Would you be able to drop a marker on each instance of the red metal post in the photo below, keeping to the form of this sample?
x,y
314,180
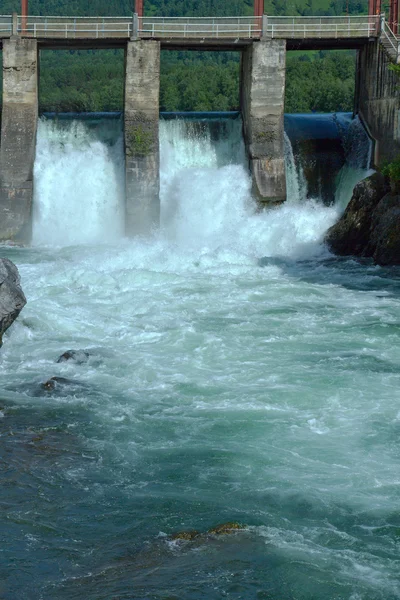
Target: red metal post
x,y
374,7
394,15
374,10
139,8
258,14
258,8
24,14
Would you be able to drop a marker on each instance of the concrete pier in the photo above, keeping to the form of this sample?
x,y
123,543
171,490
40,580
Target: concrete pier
x,y
142,90
262,104
18,137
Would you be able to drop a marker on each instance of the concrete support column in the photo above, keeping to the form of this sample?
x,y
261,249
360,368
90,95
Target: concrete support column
x,y
18,137
262,103
142,91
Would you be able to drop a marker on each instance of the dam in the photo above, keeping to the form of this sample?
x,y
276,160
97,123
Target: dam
x,y
262,41
225,368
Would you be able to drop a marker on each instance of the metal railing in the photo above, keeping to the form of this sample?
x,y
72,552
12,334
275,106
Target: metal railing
x,y
148,27
5,25
390,42
200,27
75,27
321,27
363,26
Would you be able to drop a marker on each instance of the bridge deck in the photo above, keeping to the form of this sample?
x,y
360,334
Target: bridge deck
x,y
220,28
205,33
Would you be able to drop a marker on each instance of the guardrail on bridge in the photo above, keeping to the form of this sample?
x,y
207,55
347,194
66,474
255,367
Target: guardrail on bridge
x,y
75,27
321,27
5,25
144,27
42,27
200,27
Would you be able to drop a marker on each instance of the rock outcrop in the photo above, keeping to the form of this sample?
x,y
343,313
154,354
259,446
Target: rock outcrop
x,y
370,225
12,298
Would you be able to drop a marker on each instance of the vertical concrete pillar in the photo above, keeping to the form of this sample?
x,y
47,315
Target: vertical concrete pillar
x,y
263,103
18,137
142,91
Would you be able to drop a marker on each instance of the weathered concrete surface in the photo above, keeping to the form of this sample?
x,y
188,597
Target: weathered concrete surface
x,y
378,100
12,298
142,90
18,137
262,103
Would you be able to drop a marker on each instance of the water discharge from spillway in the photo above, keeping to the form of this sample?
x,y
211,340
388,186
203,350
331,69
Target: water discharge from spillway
x,y
206,194
79,183
205,189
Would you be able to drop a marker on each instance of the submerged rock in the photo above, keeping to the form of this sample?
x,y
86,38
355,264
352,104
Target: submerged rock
x,y
12,298
61,383
78,356
60,387
52,383
186,535
225,528
370,225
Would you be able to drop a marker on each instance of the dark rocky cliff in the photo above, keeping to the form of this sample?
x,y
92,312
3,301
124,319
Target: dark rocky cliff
x,y
370,225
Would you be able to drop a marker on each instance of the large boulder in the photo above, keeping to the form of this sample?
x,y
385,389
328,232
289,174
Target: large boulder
x,y
351,234
12,298
384,245
370,225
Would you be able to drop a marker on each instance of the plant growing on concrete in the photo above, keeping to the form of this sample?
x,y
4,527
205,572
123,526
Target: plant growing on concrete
x,y
139,141
391,170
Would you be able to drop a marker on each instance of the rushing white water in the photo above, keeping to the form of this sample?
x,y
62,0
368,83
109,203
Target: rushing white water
x,y
79,183
296,184
205,189
206,198
224,380
358,152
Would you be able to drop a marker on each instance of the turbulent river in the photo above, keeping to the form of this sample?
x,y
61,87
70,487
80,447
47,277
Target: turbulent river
x,y
236,372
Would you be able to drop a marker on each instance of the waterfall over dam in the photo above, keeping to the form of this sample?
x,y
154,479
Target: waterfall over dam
x,y
205,186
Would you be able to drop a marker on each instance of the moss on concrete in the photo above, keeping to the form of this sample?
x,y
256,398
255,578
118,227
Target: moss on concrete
x,y
139,141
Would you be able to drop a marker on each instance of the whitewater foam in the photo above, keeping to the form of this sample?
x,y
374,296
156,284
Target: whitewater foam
x,y
206,202
79,190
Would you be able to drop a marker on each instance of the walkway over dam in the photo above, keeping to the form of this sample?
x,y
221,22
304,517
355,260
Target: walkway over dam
x,y
262,41
225,33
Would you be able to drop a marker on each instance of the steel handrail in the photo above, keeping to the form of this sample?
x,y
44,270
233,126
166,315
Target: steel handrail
x,y
199,18
201,32
249,26
390,36
6,24
318,26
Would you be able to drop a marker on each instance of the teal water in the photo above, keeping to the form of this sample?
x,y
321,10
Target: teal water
x,y
236,372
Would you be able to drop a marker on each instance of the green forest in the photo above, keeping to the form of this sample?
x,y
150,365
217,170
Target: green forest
x,y
200,81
